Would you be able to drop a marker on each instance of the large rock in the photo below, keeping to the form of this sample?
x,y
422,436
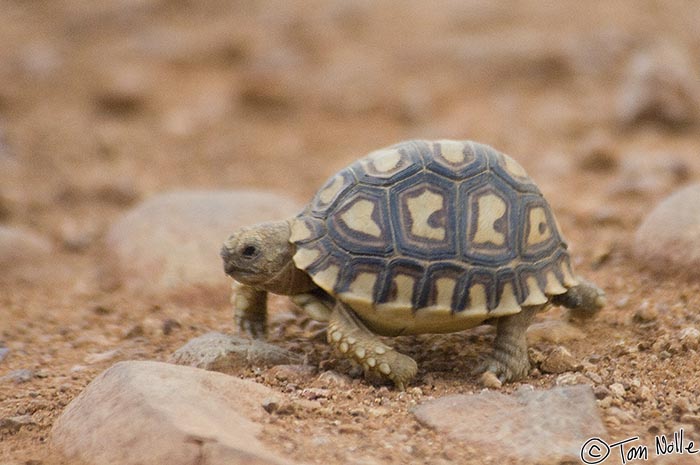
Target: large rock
x,y
532,426
157,413
668,240
169,245
660,85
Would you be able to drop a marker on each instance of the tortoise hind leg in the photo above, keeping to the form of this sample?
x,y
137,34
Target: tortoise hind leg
x,y
509,360
584,300
349,336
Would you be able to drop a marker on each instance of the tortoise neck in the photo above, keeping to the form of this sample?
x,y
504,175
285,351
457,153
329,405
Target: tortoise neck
x,y
290,280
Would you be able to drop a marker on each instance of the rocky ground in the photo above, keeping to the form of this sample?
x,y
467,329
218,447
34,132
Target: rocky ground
x,y
134,135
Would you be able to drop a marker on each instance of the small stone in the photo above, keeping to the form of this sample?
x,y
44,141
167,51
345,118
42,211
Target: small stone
x,y
689,338
617,389
682,405
123,90
229,354
135,331
559,360
316,393
601,392
299,405
13,424
271,404
646,313
101,357
668,240
332,378
170,325
555,331
18,376
502,426
4,352
598,153
571,379
295,374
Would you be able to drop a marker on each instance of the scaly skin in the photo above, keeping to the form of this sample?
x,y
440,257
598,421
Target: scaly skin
x,y
249,310
584,301
509,360
349,336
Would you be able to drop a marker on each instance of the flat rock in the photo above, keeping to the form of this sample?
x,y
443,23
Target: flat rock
x,y
532,426
157,413
169,244
668,240
555,331
226,353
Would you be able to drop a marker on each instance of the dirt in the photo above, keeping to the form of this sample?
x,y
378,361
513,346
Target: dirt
x,y
105,103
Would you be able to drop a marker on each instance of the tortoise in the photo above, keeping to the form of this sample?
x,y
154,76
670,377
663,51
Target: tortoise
x,y
419,237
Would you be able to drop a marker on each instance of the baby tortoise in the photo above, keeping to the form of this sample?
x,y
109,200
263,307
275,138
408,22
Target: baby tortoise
x,y
419,237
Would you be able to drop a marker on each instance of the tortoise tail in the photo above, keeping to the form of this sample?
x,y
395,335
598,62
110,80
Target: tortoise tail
x,y
585,299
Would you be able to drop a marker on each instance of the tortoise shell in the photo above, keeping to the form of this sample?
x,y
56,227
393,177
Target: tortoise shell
x,y
430,236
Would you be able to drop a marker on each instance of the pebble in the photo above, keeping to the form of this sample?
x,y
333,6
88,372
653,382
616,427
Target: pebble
x,y
617,389
91,359
122,90
555,331
295,374
163,414
169,244
332,378
4,352
601,392
668,240
689,338
316,393
598,153
561,418
571,379
559,360
14,424
18,376
229,354
646,313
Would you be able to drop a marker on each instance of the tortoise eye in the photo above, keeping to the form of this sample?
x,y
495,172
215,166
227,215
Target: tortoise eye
x,y
249,251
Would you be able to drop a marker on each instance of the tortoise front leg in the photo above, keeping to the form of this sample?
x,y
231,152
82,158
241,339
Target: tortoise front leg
x,y
509,360
249,310
348,335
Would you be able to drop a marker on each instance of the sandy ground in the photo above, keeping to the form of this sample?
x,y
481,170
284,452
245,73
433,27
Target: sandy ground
x,y
103,104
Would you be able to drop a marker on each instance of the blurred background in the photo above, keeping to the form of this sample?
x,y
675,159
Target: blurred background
x,y
103,103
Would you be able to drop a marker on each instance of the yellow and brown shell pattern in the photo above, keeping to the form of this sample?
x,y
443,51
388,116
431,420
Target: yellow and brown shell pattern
x,y
430,229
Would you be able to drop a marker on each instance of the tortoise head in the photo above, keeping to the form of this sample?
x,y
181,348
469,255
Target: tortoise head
x,y
260,256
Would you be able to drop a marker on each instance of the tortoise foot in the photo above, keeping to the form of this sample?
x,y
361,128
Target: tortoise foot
x,y
354,341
